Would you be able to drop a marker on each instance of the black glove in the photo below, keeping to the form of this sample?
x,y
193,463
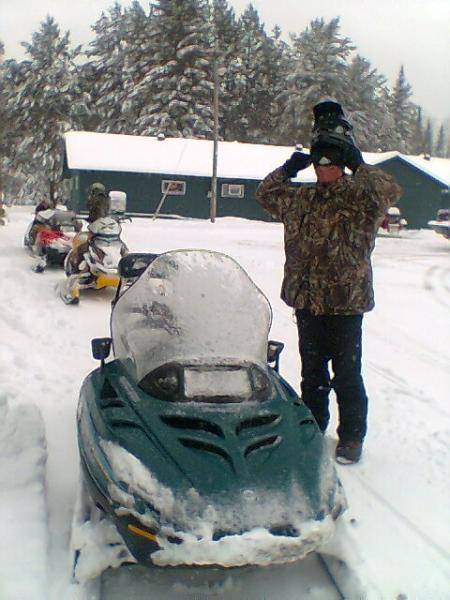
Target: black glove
x,y
297,162
353,157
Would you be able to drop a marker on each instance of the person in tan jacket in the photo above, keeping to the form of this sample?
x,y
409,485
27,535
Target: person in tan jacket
x,y
329,235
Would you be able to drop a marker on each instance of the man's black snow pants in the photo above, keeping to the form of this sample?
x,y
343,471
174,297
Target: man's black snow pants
x,y
337,338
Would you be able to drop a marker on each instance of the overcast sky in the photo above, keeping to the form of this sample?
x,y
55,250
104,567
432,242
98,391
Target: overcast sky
x,y
389,33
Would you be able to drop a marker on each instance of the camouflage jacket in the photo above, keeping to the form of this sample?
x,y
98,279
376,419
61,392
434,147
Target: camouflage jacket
x,y
329,235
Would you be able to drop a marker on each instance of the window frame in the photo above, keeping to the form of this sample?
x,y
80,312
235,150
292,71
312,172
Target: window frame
x,y
225,190
165,183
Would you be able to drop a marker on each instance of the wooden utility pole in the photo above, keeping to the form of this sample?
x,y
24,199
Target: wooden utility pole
x,y
213,199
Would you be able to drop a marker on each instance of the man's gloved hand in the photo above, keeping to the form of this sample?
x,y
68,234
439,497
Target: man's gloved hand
x,y
297,162
353,157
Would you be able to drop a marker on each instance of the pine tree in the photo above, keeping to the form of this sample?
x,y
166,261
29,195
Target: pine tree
x,y
365,104
440,144
318,72
104,73
428,139
227,33
418,136
403,112
3,122
45,102
257,83
141,41
179,86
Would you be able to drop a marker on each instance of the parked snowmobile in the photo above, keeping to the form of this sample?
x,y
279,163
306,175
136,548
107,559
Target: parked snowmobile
x,y
393,222
191,442
49,237
94,259
442,223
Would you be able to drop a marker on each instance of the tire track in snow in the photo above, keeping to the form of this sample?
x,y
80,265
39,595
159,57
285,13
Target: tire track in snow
x,y
403,386
401,517
437,282
403,342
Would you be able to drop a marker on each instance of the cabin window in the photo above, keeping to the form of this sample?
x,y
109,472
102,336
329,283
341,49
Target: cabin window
x,y
233,190
173,188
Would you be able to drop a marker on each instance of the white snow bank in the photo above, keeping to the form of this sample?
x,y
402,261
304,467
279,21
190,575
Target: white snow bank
x,y
23,539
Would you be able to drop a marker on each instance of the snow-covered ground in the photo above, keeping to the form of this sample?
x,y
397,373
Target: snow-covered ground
x,y
398,495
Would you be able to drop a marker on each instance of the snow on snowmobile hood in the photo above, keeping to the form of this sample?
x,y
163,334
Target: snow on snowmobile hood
x,y
106,227
56,216
191,307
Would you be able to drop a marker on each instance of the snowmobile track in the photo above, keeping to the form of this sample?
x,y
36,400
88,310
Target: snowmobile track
x,y
328,574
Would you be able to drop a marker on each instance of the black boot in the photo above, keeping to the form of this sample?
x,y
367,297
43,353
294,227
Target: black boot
x,y
348,452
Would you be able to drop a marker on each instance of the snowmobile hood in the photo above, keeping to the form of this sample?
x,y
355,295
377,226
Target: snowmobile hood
x,y
268,455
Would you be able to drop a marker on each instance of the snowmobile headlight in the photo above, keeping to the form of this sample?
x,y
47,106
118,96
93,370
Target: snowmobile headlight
x,y
163,383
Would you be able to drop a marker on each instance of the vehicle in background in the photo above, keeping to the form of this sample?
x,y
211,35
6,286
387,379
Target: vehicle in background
x,y
393,222
49,237
442,223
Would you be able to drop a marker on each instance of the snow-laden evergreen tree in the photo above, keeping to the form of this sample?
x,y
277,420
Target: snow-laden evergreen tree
x,y
180,84
428,139
365,104
104,73
258,81
226,32
45,102
417,143
3,123
403,111
141,41
440,143
319,71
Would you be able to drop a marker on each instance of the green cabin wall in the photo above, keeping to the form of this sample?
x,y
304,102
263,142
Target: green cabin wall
x,y
421,199
144,194
422,195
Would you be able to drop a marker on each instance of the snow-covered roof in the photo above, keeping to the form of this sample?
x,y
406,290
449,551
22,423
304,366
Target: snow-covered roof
x,y
87,150
177,156
437,168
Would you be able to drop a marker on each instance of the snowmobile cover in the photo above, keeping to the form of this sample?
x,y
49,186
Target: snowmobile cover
x,y
194,307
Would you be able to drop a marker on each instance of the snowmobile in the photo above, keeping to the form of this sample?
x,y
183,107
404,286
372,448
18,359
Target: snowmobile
x,y
191,442
393,222
94,259
49,237
442,223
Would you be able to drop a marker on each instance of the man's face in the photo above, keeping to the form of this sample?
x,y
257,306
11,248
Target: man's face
x,y
328,173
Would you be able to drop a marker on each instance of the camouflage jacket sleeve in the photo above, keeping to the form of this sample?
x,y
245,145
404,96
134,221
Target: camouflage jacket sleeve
x,y
274,193
375,189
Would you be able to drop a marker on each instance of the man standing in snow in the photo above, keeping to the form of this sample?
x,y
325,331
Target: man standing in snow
x,y
329,235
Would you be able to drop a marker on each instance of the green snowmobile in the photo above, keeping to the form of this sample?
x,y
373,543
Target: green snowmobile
x,y
191,442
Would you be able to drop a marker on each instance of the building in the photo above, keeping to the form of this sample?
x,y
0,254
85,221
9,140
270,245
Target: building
x,y
178,169
425,182
178,172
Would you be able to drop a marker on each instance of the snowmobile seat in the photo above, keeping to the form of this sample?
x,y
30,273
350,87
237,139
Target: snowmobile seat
x,y
134,264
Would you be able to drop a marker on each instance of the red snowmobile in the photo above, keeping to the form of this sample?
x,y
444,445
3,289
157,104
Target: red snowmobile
x,y
49,237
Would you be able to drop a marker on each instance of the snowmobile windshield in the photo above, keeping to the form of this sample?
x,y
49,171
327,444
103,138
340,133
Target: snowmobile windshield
x,y
194,325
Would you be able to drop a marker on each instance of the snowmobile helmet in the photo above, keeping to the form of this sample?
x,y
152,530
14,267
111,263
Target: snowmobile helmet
x,y
97,189
327,113
324,155
331,126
